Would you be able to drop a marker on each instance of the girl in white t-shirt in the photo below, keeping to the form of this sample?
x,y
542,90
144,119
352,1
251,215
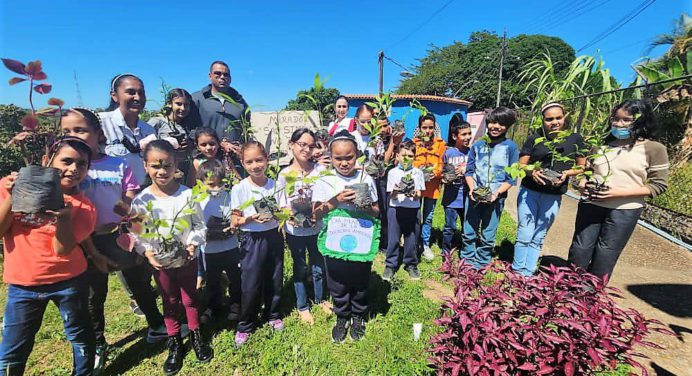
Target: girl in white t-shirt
x,y
347,280
301,234
262,261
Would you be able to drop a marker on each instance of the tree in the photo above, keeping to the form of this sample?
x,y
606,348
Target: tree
x,y
316,98
470,71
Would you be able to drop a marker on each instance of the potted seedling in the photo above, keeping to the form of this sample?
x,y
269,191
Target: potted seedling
x,y
171,252
553,177
363,200
481,193
449,173
37,188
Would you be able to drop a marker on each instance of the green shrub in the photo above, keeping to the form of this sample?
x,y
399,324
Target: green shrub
x,y
10,156
678,197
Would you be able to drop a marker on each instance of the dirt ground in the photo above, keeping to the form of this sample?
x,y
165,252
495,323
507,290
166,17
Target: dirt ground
x,y
655,277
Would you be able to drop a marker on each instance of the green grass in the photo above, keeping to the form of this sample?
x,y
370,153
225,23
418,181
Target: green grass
x,y
678,197
388,348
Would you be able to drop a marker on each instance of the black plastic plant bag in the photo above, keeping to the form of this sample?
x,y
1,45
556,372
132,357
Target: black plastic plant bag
x,y
37,189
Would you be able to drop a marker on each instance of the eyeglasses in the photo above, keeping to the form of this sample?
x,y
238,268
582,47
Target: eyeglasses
x,y
304,145
221,74
625,121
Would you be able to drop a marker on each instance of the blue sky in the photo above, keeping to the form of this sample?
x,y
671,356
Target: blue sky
x,y
274,48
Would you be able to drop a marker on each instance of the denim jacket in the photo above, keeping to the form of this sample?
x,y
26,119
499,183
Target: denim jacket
x,y
499,156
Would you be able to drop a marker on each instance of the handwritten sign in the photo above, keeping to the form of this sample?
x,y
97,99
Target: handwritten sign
x,y
349,235
264,127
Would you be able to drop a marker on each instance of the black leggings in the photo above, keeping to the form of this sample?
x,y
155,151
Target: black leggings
x,y
600,234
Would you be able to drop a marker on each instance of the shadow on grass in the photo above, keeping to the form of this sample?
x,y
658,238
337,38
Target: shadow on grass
x,y
553,260
378,295
130,358
505,250
671,298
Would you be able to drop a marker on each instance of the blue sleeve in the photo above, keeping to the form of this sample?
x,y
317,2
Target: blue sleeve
x,y
471,162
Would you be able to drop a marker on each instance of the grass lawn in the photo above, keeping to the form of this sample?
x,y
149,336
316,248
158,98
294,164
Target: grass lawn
x,y
388,348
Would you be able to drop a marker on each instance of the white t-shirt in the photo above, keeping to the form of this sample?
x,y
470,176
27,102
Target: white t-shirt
x,y
401,200
330,186
166,208
245,191
285,200
343,124
218,204
107,180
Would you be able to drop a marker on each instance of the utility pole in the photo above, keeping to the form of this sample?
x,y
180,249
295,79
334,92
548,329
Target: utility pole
x,y
502,58
79,93
380,60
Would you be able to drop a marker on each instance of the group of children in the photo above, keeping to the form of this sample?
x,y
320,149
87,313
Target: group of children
x,y
143,208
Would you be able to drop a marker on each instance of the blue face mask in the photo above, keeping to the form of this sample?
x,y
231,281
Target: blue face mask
x,y
620,133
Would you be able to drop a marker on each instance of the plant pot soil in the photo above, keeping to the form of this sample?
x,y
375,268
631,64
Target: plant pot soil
x,y
482,194
449,173
428,174
375,168
36,190
266,207
302,212
363,199
592,189
172,255
399,127
407,186
551,176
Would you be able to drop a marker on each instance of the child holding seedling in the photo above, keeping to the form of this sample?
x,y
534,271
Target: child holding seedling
x,y
549,156
629,168
488,184
295,187
347,203
208,147
221,252
169,230
174,125
429,153
43,262
404,184
455,191
110,183
262,262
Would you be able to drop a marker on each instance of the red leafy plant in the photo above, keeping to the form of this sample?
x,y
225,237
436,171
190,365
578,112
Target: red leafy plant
x,y
34,139
562,321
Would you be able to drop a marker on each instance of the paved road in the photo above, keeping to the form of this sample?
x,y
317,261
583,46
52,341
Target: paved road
x,y
655,277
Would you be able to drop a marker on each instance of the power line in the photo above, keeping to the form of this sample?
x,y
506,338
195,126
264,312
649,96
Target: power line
x,y
545,17
399,64
421,25
619,24
571,16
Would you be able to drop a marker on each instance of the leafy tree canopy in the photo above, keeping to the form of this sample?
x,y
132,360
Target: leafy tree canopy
x,y
324,97
470,70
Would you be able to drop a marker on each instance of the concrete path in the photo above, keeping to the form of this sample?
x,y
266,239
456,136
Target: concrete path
x,y
655,277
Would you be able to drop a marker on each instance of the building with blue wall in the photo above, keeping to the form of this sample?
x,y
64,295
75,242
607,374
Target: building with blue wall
x,y
442,107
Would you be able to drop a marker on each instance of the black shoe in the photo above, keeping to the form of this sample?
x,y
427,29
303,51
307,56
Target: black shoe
x,y
100,357
388,273
176,352
413,272
203,351
340,330
357,328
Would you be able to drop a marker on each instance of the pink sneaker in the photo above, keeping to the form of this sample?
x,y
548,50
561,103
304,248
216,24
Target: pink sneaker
x,y
241,338
277,325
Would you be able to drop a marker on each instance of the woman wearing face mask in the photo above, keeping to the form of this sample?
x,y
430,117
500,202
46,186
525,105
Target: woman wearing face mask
x,y
630,168
126,135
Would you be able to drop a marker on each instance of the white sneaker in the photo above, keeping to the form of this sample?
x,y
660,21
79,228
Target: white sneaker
x,y
428,254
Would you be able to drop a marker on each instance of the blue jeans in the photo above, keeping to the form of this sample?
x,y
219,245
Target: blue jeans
x,y
536,212
23,317
451,215
298,246
479,231
403,221
428,211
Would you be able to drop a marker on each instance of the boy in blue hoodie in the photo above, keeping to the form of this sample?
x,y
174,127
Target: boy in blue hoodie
x,y
488,184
